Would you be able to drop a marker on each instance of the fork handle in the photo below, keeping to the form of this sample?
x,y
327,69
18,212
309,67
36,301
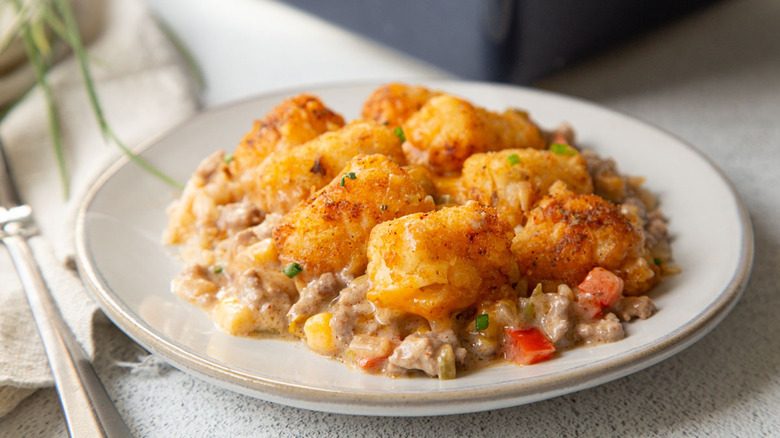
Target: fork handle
x,y
88,409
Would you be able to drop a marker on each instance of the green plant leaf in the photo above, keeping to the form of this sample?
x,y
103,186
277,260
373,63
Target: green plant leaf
x,y
15,26
34,23
74,41
39,37
36,60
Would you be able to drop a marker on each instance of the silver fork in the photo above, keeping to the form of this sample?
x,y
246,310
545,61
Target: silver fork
x,y
88,409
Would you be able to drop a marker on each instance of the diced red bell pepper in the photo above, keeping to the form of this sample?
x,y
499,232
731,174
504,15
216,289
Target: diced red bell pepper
x,y
588,305
604,285
368,363
527,346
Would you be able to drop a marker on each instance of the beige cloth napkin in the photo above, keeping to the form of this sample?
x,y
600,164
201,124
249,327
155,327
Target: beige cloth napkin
x,y
144,89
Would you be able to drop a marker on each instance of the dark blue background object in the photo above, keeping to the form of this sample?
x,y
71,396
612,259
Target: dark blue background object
x,y
499,40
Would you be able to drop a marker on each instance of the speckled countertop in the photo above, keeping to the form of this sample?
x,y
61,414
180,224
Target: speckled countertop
x,y
712,78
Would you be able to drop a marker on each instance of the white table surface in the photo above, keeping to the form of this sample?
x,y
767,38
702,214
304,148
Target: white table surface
x,y
712,78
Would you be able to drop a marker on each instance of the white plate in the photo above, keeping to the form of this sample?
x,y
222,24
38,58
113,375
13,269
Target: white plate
x,y
129,271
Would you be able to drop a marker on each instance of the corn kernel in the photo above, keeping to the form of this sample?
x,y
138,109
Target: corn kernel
x,y
319,335
234,317
264,251
296,326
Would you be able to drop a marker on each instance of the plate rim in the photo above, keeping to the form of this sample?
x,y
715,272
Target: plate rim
x,y
450,401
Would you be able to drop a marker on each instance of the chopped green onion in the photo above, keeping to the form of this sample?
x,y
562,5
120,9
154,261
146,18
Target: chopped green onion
x,y
562,149
482,322
217,269
537,291
350,175
528,311
445,363
292,270
513,159
227,158
400,133
657,261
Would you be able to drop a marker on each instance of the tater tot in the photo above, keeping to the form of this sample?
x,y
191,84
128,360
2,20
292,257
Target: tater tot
x,y
328,233
514,180
433,264
447,130
567,235
392,104
291,123
288,177
215,183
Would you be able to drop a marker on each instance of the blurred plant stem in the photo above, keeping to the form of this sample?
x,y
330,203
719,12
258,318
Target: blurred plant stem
x,y
40,24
